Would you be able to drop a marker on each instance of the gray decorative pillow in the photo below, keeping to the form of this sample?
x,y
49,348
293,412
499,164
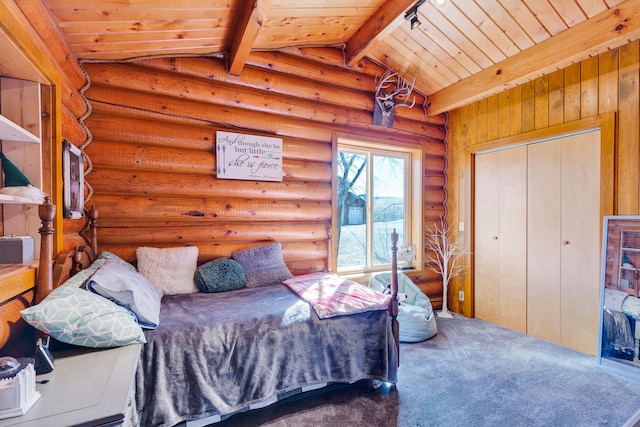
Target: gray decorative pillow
x,y
220,275
263,265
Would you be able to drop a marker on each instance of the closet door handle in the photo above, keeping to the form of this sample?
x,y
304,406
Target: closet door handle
x,y
495,237
565,242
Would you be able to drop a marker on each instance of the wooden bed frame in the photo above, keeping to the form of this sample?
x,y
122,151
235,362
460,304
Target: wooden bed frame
x,y
51,274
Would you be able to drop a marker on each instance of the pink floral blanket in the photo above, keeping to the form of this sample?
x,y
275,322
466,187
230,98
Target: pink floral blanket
x,y
331,295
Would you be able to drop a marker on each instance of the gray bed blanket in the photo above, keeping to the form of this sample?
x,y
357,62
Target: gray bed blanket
x,y
216,354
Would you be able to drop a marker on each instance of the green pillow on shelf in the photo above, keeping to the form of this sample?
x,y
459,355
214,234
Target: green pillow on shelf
x,y
13,177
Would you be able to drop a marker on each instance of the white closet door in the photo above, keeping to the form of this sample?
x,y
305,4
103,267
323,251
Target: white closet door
x,y
543,237
513,238
580,241
537,239
500,237
486,249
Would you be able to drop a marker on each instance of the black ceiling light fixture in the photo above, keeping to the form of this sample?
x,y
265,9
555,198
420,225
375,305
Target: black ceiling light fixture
x,y
412,14
415,22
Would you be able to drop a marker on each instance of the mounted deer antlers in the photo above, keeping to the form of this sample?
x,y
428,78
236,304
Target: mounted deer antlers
x,y
389,90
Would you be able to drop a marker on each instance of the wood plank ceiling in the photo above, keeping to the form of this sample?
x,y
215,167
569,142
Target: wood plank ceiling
x,y
463,50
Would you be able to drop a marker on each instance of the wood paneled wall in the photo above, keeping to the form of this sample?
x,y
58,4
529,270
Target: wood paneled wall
x,y
153,160
608,83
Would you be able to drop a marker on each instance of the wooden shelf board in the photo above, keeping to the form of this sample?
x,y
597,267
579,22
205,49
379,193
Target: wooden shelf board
x,y
12,132
15,200
16,279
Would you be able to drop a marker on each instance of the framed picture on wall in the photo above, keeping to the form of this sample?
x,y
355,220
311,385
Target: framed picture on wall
x,y
619,331
73,181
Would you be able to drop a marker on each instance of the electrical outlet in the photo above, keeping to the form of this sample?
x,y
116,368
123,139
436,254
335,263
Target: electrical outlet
x,y
460,295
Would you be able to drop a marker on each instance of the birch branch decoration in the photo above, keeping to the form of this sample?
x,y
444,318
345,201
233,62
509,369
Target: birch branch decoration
x,y
445,256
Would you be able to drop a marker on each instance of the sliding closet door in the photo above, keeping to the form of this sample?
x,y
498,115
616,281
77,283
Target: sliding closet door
x,y
500,237
543,242
580,243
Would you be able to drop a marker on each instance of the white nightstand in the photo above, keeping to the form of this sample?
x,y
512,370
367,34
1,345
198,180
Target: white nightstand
x,y
92,388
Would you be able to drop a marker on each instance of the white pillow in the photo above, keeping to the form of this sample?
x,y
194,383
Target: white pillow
x,y
170,269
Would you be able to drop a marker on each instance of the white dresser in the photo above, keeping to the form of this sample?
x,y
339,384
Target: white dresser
x,y
92,388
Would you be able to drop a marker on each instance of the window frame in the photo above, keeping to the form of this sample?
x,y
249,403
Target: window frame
x,y
414,224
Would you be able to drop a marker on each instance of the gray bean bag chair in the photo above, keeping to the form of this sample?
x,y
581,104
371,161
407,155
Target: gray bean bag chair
x,y
415,315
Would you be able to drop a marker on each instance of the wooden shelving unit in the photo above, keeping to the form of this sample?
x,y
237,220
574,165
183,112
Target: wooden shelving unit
x,y
20,133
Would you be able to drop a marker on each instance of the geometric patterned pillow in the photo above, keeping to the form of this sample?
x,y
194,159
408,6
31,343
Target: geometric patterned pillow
x,y
76,316
108,256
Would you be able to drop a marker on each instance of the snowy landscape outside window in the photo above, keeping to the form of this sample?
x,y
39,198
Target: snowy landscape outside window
x,y
374,196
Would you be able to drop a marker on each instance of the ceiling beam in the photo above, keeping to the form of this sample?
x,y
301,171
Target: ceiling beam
x,y
249,24
386,19
607,30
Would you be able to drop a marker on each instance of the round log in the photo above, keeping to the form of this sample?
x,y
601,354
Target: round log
x,y
137,79
434,195
434,179
110,127
205,234
124,182
184,111
145,157
298,251
72,130
285,84
214,70
118,127
433,212
115,209
334,57
72,100
434,163
311,70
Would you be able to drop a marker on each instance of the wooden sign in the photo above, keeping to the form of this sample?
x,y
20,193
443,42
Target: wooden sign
x,y
249,157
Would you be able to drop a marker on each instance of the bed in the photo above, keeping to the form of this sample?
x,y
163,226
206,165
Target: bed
x,y
213,355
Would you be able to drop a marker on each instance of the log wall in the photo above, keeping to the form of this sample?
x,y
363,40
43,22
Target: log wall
x,y
152,158
607,83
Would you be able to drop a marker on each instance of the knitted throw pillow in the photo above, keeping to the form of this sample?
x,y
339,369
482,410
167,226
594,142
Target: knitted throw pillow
x,y
220,275
263,265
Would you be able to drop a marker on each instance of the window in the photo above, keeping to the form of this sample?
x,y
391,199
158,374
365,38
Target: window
x,y
377,189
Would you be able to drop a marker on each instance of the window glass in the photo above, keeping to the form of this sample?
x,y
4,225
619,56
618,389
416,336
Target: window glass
x,y
373,190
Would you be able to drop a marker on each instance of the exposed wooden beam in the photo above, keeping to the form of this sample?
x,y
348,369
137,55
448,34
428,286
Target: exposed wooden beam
x,y
249,24
45,25
607,30
389,17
